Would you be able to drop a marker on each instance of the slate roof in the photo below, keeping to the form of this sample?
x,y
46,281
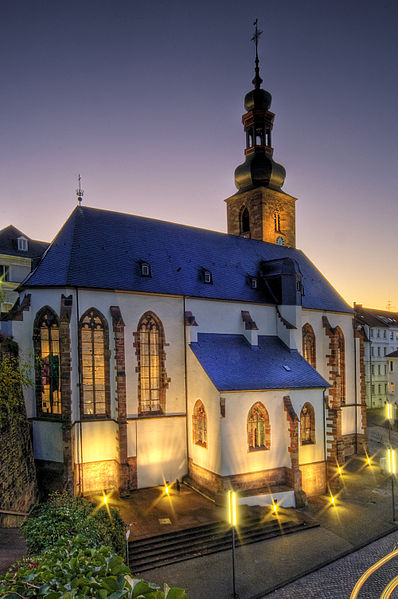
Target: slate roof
x,y
393,354
9,246
375,318
103,249
233,365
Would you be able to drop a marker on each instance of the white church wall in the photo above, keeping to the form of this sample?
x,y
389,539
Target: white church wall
x,y
161,450
201,387
47,441
236,457
99,441
225,317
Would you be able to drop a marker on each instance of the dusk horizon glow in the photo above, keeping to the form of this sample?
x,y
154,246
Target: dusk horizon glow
x,y
145,102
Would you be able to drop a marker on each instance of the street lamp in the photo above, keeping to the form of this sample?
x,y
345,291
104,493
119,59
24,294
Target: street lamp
x,y
232,519
392,470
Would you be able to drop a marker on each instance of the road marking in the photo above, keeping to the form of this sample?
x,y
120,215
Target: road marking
x,y
370,571
389,588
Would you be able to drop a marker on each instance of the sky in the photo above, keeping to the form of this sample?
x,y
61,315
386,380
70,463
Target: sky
x,y
145,101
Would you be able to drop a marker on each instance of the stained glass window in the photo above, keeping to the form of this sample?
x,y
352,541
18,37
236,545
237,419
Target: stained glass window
x,y
151,369
199,424
48,362
93,366
258,428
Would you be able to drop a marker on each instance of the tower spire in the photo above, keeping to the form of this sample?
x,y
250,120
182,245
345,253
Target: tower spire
x,y
79,190
257,81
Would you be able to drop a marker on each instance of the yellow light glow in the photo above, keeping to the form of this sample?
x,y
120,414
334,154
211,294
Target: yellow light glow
x,y
332,499
340,470
232,507
391,461
369,461
105,499
388,411
166,489
275,507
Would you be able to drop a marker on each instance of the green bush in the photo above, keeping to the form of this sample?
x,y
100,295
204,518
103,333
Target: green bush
x,y
75,570
63,517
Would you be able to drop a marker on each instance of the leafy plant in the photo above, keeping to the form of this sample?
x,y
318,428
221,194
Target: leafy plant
x,y
75,570
63,517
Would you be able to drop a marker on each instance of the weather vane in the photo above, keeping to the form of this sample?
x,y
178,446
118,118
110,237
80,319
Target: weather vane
x,y
79,190
257,79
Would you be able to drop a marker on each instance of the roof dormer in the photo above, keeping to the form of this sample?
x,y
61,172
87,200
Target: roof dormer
x,y
22,244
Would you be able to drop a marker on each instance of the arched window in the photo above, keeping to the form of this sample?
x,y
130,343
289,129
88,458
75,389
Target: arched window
x,y
199,424
307,424
258,428
94,353
340,367
47,360
151,357
244,221
309,348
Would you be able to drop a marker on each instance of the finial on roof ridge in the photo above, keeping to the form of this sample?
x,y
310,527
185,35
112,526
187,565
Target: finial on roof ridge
x,y
79,190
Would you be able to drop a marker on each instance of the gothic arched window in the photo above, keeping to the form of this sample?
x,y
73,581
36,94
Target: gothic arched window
x,y
309,348
340,367
307,424
151,369
244,221
94,355
258,428
199,424
47,360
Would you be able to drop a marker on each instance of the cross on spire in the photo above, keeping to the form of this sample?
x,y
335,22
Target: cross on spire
x,y
257,81
79,190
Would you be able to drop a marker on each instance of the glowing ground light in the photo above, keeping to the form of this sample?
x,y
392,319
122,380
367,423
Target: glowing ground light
x,y
105,499
333,501
275,508
232,507
369,461
166,489
340,470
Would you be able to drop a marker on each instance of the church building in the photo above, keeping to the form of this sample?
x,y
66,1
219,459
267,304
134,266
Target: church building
x,y
163,351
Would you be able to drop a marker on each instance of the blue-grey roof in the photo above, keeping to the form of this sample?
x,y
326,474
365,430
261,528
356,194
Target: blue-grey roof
x,y
103,249
233,365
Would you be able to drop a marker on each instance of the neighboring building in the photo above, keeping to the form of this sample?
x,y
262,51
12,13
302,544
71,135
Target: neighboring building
x,y
164,350
18,254
380,329
392,380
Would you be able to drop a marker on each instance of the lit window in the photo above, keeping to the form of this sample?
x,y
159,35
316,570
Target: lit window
x,y
94,364
307,424
47,358
4,273
22,244
150,353
199,424
258,428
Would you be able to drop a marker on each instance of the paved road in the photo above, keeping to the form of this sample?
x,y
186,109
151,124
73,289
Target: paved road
x,y
337,580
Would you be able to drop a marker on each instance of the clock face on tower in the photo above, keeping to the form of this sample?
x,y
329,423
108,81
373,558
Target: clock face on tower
x,y
280,241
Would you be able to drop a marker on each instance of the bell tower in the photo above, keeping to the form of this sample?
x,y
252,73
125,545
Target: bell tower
x,y
260,209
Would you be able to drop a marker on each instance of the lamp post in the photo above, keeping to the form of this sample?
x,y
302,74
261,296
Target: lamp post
x,y
232,520
127,546
392,471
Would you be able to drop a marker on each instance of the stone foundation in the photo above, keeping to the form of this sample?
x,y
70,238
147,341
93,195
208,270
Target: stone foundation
x,y
239,482
99,476
313,478
354,445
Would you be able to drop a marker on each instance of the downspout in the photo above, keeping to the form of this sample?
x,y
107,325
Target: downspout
x,y
356,391
79,393
324,430
186,384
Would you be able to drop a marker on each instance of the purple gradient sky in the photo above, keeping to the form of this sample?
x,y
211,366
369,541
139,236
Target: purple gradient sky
x,y
145,101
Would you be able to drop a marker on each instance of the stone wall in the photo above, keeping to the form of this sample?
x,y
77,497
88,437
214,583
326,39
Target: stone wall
x,y
18,486
313,478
